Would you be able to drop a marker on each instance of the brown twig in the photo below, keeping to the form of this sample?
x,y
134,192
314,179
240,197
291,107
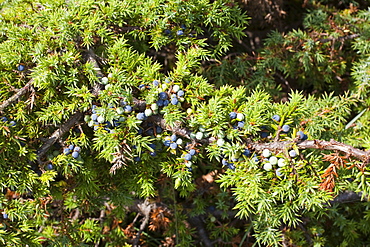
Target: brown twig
x,y
145,209
73,120
16,96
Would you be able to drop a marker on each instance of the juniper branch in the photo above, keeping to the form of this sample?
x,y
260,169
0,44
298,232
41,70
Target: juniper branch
x,y
73,120
16,96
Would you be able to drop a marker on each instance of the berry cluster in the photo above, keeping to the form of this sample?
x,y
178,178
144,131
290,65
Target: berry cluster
x,y
230,164
271,160
73,150
10,123
97,119
239,117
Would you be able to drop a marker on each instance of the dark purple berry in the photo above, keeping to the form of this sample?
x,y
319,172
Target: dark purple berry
x,y
20,67
247,152
153,154
49,167
163,96
180,32
264,134
137,158
167,143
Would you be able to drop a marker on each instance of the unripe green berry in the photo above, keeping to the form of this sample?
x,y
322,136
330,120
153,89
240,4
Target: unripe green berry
x,y
148,112
267,166
266,153
101,119
239,116
199,135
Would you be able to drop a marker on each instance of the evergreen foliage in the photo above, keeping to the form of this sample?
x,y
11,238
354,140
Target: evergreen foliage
x,y
129,123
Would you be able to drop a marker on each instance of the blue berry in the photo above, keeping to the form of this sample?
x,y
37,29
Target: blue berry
x,y
142,86
224,162
167,143
188,156
192,152
155,83
71,147
140,131
49,167
153,154
285,128
152,145
180,32
173,137
241,124
173,145
174,101
167,31
66,151
163,96
75,155
137,158
5,216
264,134
77,149
231,166
292,153
276,118
20,67
180,93
232,115
158,129
302,135
4,119
12,123
150,132
94,117
166,102
160,102
140,116
247,152
128,109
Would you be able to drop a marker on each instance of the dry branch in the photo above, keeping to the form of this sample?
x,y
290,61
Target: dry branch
x,y
73,120
16,96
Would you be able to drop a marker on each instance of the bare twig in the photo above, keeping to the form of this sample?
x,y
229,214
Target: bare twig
x,y
198,222
145,208
16,96
352,36
315,144
73,120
